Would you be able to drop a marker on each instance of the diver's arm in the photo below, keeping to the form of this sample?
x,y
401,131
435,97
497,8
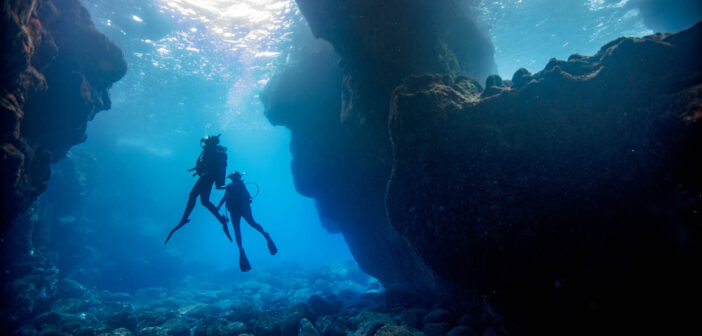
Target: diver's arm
x,y
198,164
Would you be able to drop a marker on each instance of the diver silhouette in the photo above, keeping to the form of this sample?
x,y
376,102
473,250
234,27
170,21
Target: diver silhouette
x,y
238,203
211,166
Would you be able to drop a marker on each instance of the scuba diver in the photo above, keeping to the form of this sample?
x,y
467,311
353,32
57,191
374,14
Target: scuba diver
x,y
238,203
211,166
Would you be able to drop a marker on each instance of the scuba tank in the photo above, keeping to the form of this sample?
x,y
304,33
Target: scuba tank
x,y
212,160
220,169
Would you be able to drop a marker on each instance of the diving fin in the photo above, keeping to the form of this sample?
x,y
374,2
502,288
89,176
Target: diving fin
x,y
180,225
225,227
271,246
243,261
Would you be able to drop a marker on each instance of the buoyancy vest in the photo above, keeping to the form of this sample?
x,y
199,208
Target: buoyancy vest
x,y
213,163
237,195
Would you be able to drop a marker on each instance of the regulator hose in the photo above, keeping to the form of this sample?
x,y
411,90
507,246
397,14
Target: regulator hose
x,y
258,189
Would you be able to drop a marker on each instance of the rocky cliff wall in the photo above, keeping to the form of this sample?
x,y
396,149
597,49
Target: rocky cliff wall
x,y
329,165
572,196
56,71
381,42
335,102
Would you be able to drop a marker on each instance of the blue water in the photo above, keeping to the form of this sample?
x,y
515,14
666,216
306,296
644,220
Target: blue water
x,y
527,33
196,68
186,81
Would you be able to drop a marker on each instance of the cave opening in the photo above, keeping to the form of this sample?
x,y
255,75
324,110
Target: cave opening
x,y
318,102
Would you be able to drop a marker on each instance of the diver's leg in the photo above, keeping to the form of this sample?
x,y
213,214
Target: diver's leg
x,y
205,200
244,264
246,213
180,225
188,208
225,227
236,223
194,192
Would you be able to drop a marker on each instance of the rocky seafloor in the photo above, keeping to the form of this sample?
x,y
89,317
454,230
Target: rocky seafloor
x,y
333,300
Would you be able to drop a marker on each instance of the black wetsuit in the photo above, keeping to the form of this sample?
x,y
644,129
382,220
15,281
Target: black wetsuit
x,y
210,166
238,202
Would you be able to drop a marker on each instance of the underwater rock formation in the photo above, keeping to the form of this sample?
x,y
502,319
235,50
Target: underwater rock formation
x,y
381,42
56,72
336,103
331,166
662,16
573,196
556,194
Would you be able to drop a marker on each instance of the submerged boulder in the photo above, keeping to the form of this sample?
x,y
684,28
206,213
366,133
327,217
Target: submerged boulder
x,y
307,328
268,324
216,326
329,326
462,331
324,305
397,331
437,316
68,288
178,326
413,317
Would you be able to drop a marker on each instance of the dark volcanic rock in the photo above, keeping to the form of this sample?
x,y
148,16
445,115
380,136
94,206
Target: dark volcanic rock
x,y
268,324
332,167
56,71
367,322
437,315
336,104
381,42
573,198
307,328
329,326
436,329
216,326
179,326
70,289
337,114
324,305
244,312
413,317
290,322
152,331
396,331
462,331
124,319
